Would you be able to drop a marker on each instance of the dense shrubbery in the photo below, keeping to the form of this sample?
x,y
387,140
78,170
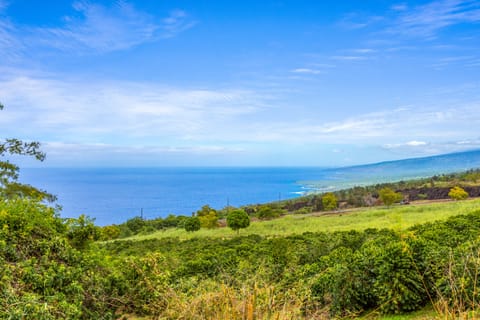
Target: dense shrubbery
x,y
51,268
43,275
343,272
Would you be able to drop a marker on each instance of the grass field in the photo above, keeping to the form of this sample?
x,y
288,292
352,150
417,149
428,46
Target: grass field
x,y
398,217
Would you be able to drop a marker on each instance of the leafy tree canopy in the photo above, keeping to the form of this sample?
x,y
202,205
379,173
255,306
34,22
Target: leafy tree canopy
x,y
238,219
192,224
329,201
208,217
389,197
9,186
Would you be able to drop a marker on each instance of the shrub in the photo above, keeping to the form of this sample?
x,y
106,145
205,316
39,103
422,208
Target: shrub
x,y
192,224
329,201
267,212
389,197
238,219
458,193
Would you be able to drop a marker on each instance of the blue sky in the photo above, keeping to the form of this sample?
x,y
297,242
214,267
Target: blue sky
x,y
254,83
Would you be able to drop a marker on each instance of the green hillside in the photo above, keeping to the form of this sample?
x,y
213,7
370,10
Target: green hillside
x,y
397,217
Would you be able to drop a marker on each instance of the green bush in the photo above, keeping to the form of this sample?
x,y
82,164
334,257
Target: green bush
x,y
458,193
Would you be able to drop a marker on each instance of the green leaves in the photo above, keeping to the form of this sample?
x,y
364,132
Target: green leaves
x,y
238,219
458,193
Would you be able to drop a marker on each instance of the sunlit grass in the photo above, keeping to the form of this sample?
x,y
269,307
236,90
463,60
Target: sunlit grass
x,y
396,217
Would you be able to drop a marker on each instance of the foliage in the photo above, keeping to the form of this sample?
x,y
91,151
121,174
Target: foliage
x,y
329,201
389,197
82,231
9,186
135,224
43,276
458,193
343,273
192,224
266,212
208,217
110,232
238,219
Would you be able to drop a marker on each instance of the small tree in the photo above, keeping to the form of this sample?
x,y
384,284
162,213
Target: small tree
x,y
208,217
192,224
458,193
238,219
389,197
329,201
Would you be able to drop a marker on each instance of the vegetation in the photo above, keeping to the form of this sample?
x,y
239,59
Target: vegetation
x,y
395,217
238,219
329,201
208,217
458,193
389,197
192,224
355,263
342,274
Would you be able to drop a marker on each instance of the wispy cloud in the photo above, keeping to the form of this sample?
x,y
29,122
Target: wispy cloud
x,y
102,111
307,71
356,20
464,61
429,19
364,50
10,46
348,58
399,7
178,21
98,29
3,5
432,148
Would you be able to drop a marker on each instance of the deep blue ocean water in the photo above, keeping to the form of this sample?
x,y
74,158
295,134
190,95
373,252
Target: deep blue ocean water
x,y
113,195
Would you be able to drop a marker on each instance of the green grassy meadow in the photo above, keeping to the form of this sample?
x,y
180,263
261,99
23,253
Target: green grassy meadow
x,y
398,217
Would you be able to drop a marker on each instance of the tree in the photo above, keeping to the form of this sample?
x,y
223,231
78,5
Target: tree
x,y
136,224
208,217
192,224
9,187
82,231
458,193
238,219
329,201
267,212
389,197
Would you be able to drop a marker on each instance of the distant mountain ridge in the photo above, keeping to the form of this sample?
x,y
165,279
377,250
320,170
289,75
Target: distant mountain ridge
x,y
451,161
390,171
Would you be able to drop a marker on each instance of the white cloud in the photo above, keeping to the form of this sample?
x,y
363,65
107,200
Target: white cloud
x,y
358,21
130,112
307,71
349,58
415,143
97,29
427,20
364,50
176,22
120,117
399,7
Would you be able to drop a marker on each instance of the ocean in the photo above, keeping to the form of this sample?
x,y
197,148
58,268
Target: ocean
x,y
114,195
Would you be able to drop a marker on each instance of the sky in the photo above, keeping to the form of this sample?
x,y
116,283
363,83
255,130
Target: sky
x,y
240,83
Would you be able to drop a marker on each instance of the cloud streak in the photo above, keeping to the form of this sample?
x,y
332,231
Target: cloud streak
x,y
137,112
151,120
428,20
97,29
